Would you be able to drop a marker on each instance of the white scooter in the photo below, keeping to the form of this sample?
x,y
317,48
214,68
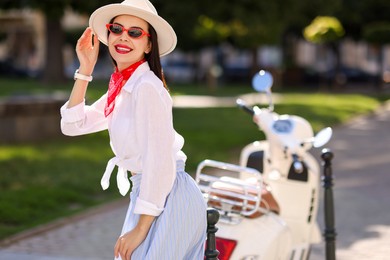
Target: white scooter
x,y
268,203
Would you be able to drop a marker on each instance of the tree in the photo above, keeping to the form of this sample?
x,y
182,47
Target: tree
x,y
367,20
326,30
244,23
250,24
182,15
355,15
378,34
54,11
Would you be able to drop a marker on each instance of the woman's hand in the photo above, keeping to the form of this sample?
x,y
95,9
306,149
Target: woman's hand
x,y
87,50
127,243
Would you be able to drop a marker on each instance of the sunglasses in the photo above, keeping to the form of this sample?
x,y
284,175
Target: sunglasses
x,y
133,32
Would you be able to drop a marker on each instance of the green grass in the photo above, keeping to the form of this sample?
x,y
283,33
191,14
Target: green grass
x,y
43,181
98,87
323,110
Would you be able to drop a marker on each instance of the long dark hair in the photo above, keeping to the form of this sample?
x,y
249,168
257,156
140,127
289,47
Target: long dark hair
x,y
153,57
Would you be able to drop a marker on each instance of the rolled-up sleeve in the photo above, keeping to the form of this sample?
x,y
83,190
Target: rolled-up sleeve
x,y
73,114
83,119
156,135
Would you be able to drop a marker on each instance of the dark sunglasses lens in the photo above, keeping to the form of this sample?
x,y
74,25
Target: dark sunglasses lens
x,y
135,33
116,29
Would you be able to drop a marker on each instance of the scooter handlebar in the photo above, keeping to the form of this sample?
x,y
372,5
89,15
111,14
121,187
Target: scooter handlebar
x,y
241,104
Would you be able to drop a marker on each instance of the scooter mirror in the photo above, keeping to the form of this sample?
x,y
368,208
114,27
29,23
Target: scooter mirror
x,y
262,81
322,137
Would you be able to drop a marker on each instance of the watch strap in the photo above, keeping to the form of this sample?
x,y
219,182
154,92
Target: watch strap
x,y
78,75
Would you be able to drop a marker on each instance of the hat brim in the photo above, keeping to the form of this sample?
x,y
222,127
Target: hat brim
x,y
167,39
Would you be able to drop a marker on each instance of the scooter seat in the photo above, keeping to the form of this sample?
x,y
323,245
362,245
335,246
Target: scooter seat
x,y
267,203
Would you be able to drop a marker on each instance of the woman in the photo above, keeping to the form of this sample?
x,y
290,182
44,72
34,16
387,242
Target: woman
x,y
166,218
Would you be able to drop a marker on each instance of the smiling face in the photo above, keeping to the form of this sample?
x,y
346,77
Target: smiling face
x,y
124,49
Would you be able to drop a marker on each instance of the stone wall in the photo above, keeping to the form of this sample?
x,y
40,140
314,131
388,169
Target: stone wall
x,y
30,118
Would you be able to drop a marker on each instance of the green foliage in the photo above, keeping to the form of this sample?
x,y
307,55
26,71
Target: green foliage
x,y
377,33
355,15
244,23
182,15
56,8
324,29
300,13
214,32
263,21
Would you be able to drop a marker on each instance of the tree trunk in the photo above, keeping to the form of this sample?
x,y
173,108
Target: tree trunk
x,y
379,77
54,64
339,79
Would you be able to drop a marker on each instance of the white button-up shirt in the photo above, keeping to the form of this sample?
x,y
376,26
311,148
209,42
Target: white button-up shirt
x,y
142,137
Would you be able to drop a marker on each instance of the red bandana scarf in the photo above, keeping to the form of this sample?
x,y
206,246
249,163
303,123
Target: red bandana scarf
x,y
116,84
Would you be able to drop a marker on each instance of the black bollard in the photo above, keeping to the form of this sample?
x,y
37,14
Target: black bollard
x,y
211,252
327,183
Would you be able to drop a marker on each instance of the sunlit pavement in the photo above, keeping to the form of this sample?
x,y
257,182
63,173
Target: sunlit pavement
x,y
361,169
88,236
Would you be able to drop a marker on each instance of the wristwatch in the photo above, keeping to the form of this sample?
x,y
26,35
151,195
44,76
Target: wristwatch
x,y
77,75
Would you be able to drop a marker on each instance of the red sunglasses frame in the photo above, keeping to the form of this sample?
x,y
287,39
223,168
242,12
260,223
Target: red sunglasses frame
x,y
127,30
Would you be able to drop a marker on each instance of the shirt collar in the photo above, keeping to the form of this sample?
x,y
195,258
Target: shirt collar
x,y
129,85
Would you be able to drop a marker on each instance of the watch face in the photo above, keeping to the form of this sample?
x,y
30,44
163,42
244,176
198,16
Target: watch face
x,y
283,126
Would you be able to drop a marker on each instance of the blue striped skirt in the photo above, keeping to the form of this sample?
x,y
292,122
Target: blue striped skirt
x,y
179,233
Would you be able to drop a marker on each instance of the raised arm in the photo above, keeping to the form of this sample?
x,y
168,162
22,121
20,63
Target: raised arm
x,y
87,50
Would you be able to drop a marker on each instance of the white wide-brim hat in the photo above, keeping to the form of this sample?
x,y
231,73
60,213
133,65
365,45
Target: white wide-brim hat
x,y
140,8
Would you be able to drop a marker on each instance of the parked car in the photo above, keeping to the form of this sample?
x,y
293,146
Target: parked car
x,y
237,73
9,70
179,71
343,76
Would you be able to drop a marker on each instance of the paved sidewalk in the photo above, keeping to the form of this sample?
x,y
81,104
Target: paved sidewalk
x,y
361,169
88,236
195,101
362,179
